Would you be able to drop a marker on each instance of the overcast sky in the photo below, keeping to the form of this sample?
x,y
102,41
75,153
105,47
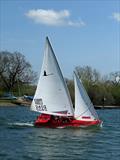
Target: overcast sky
x,y
82,32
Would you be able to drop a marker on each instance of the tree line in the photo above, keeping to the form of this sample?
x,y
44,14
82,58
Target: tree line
x,y
102,90
17,76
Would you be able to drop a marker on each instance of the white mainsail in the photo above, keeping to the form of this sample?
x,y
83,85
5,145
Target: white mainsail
x,y
52,96
84,109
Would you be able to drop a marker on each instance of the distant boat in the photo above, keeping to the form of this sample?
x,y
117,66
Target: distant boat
x,y
30,98
52,98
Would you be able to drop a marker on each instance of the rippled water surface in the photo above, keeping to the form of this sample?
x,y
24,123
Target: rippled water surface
x,y
20,140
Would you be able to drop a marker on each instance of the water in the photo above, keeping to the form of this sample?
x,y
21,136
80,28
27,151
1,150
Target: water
x,y
20,140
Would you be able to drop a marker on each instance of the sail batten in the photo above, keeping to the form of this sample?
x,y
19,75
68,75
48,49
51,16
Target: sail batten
x,y
84,108
51,96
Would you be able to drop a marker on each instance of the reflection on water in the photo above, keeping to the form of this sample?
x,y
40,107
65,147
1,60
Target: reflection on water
x,y
19,139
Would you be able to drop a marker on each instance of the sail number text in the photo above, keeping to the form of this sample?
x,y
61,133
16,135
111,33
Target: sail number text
x,y
39,105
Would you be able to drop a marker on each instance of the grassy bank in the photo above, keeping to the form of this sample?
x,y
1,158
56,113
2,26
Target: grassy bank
x,y
7,103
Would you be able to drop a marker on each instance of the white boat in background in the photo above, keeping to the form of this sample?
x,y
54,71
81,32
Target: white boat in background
x,y
52,98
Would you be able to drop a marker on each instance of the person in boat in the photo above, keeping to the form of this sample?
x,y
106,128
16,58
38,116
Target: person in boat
x,y
61,119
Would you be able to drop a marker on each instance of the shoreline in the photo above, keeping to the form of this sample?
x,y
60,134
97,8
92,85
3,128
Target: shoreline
x,y
8,104
107,107
14,103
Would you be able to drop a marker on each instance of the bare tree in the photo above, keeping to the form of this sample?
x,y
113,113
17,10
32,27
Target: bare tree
x,y
88,74
14,68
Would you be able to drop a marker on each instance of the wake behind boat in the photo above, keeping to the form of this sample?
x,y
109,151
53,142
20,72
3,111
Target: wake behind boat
x,y
53,101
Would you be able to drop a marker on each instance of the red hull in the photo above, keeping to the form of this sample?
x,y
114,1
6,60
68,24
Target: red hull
x,y
49,121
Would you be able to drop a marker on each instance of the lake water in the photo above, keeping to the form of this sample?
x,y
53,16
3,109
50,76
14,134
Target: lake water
x,y
20,140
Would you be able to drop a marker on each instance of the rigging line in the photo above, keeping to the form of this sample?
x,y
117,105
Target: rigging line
x,y
86,111
118,57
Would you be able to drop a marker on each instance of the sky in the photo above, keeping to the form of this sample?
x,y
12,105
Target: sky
x,y
82,32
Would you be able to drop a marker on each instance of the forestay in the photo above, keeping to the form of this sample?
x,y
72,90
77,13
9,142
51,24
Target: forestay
x,y
84,109
52,96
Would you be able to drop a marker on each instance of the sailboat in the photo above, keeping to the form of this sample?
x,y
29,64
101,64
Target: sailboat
x,y
52,98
